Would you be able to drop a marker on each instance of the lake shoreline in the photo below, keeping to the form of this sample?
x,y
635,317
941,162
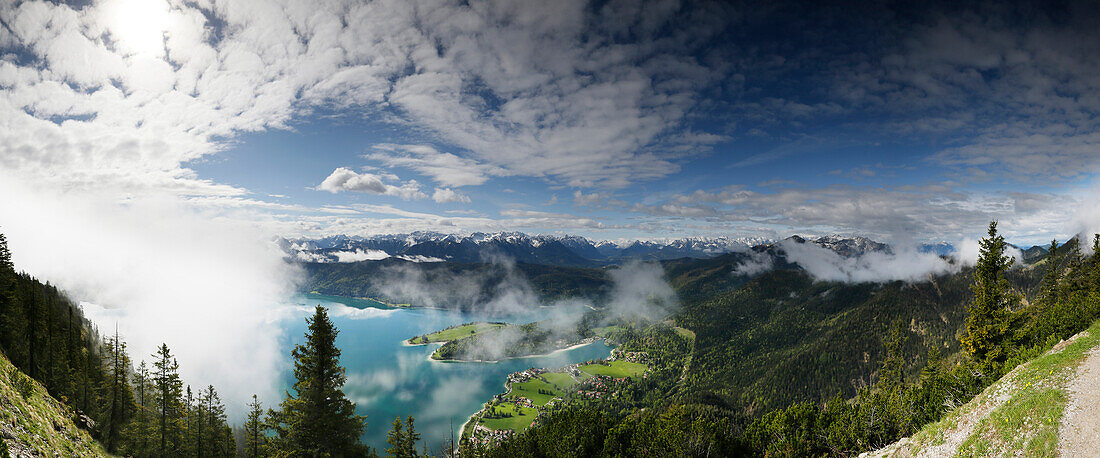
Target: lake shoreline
x,y
575,346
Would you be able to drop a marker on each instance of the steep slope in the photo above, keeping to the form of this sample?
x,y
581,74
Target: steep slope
x,y
1041,408
783,337
34,424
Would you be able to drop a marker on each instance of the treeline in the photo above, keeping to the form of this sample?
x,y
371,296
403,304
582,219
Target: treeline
x,y
1000,330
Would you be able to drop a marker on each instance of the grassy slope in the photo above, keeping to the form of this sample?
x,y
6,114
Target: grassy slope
x,y
1020,414
458,332
37,421
516,422
616,369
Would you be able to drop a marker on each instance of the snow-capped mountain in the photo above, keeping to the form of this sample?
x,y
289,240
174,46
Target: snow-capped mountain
x,y
851,246
847,246
570,250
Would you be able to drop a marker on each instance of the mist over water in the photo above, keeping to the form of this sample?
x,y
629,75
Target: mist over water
x,y
387,379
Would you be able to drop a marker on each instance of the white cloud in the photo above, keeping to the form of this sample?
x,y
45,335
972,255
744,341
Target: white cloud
x,y
445,195
904,263
360,255
345,179
445,168
208,285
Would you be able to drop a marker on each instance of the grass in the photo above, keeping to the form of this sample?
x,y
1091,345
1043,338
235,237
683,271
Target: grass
x,y
615,369
530,390
561,379
1028,422
605,331
516,422
28,411
457,332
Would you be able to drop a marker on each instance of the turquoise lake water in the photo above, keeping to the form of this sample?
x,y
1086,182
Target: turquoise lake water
x,y
387,379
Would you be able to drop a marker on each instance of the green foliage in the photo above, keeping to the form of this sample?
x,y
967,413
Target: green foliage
x,y
169,405
987,322
771,366
254,431
402,440
48,338
318,420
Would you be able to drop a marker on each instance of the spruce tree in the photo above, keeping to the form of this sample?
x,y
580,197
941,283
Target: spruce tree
x,y
169,393
120,395
12,316
1048,291
318,420
411,438
253,428
396,439
988,312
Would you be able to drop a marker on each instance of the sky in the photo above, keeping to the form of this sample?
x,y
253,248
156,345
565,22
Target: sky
x,y
611,120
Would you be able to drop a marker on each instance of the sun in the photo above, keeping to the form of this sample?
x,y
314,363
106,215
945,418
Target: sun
x,y
137,26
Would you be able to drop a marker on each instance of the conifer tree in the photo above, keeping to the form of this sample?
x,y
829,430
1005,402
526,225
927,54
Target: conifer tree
x,y
892,375
169,393
254,428
396,439
988,312
138,434
213,441
120,395
1048,291
410,438
318,420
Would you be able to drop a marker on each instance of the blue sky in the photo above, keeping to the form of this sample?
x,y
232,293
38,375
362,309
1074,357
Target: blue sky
x,y
608,119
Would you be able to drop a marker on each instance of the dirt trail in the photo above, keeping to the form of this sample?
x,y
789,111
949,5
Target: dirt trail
x,y
1079,434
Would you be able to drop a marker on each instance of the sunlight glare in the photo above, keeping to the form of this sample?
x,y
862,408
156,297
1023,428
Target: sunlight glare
x,y
137,26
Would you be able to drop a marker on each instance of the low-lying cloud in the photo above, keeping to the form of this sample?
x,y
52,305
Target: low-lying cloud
x,y
207,286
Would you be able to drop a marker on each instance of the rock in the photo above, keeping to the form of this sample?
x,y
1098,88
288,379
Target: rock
x,y
84,422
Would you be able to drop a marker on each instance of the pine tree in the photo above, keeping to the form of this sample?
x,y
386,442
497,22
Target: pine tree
x,y
988,312
254,428
319,420
169,393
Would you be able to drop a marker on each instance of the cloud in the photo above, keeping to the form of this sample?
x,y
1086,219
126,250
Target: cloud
x,y
344,179
904,263
209,286
755,264
900,214
445,195
639,291
359,255
445,168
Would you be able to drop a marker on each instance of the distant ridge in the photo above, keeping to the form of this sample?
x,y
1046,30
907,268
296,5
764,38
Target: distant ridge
x,y
566,251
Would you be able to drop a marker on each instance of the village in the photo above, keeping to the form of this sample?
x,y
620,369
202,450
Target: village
x,y
530,394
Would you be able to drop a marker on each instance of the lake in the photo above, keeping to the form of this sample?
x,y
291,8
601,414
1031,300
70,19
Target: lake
x,y
387,379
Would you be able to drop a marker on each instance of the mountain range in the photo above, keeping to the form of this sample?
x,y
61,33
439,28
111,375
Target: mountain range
x,y
564,251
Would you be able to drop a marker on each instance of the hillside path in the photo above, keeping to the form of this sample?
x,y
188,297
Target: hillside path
x,y
1079,435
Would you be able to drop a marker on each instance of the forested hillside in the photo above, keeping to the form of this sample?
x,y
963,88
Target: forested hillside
x,y
139,411
787,366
